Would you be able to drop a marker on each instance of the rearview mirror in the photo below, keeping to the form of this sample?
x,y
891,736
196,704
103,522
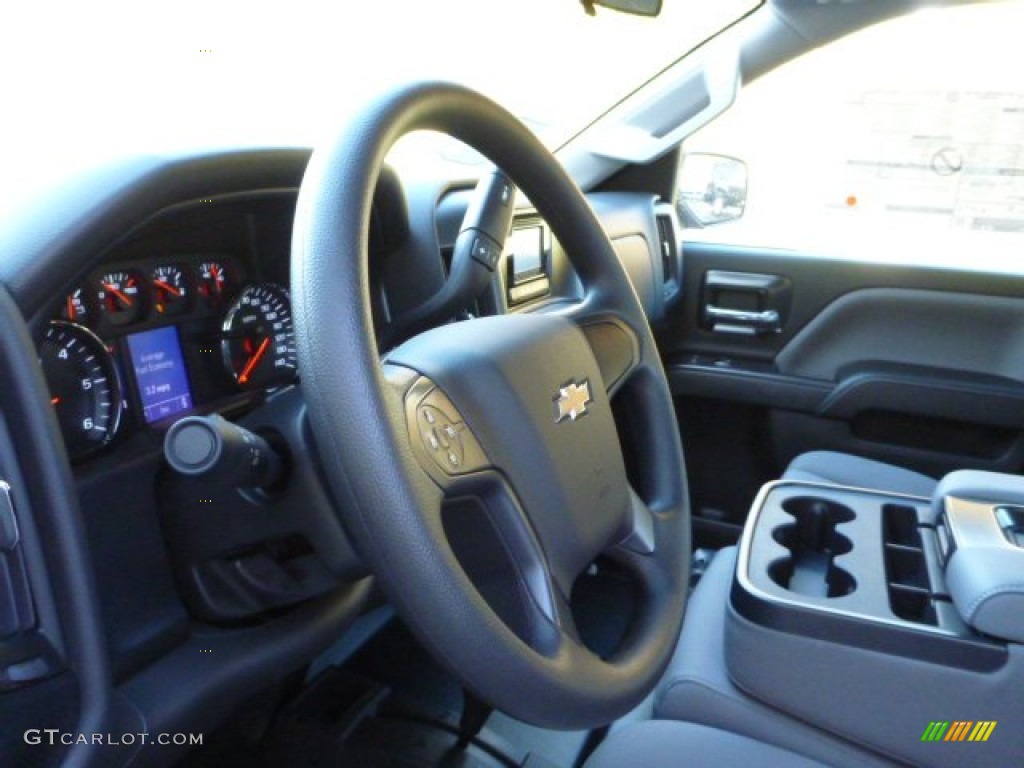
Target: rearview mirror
x,y
712,189
635,7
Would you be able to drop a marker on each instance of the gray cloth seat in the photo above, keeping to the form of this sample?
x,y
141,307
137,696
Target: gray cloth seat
x,y
662,743
697,687
701,717
846,469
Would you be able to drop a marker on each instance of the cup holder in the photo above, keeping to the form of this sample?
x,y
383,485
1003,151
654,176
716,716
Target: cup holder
x,y
813,543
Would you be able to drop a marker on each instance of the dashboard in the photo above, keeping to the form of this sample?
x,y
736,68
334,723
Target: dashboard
x,y
188,312
172,301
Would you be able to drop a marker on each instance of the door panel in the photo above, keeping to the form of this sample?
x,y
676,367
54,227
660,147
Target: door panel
x,y
918,366
956,330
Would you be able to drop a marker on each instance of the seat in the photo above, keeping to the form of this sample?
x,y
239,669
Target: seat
x,y
663,744
697,688
701,716
846,469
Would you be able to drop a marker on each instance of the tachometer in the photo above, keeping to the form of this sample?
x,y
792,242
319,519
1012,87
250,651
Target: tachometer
x,y
258,342
83,384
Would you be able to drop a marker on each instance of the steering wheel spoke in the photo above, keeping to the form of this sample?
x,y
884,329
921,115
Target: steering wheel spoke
x,y
615,347
613,340
449,452
640,535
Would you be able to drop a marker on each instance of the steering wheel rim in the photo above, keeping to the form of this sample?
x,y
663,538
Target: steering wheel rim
x,y
363,415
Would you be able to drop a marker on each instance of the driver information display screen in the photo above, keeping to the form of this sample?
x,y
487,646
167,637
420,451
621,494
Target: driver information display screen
x,y
160,374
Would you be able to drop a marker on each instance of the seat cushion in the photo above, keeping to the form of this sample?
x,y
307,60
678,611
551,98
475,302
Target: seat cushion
x,y
846,469
663,744
697,687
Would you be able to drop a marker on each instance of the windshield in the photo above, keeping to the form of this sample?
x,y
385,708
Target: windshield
x,y
116,78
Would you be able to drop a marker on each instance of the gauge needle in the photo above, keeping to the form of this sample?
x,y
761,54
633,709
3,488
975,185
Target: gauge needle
x,y
167,287
123,297
254,361
71,308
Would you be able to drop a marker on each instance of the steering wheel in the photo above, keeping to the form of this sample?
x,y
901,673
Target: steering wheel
x,y
481,462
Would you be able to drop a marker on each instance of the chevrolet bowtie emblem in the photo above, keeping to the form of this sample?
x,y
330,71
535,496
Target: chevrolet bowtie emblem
x,y
571,401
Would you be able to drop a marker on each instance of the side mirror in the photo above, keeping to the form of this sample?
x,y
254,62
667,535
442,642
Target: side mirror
x,y
712,189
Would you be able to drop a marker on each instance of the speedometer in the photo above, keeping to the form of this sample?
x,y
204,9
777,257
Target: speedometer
x,y
83,384
258,343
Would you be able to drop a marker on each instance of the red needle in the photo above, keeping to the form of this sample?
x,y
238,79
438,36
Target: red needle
x,y
125,299
54,401
71,308
254,361
167,287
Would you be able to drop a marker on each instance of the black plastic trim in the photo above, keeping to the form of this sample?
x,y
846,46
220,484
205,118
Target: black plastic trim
x,y
658,176
975,654
195,687
950,395
746,382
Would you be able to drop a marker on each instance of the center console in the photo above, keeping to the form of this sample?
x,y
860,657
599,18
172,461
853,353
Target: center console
x,y
874,615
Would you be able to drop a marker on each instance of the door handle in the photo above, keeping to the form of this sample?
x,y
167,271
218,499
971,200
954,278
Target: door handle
x,y
744,303
742,321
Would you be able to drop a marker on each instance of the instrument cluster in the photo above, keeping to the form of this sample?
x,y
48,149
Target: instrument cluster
x,y
125,295
141,344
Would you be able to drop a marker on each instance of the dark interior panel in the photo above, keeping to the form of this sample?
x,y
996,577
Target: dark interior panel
x,y
728,457
913,365
948,327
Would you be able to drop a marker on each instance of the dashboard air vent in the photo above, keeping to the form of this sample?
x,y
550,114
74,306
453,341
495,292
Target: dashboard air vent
x,y
669,250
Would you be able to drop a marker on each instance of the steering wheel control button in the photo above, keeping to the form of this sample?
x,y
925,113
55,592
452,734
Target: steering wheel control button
x,y
442,432
441,437
486,252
